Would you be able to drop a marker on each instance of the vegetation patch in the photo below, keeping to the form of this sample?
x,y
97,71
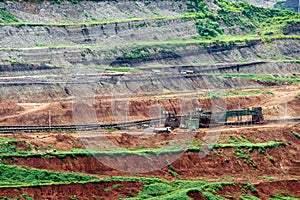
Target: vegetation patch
x,y
250,187
251,146
148,153
6,145
13,176
297,135
7,17
180,190
281,197
134,53
172,172
211,95
206,21
248,197
249,17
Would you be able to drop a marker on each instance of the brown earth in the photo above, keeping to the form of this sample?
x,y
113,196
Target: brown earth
x,y
130,138
279,162
188,165
9,108
105,191
115,190
110,110
274,172
59,141
265,189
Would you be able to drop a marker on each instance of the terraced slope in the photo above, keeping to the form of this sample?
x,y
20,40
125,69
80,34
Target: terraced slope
x,y
104,36
110,60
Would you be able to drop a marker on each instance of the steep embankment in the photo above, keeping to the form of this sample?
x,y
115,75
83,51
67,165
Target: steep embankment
x,y
154,39
259,151
83,11
105,36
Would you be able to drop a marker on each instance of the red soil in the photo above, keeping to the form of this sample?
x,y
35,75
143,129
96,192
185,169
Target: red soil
x,y
108,112
9,108
105,191
111,110
188,166
265,189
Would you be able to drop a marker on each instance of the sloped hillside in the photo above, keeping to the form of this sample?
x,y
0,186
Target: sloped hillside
x,y
46,32
86,62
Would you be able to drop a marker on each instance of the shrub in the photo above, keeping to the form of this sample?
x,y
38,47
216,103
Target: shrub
x,y
208,29
295,134
250,187
7,17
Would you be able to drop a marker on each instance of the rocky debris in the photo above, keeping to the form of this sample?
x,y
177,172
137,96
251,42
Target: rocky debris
x,y
51,12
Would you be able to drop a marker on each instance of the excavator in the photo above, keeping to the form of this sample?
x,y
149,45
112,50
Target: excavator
x,y
203,119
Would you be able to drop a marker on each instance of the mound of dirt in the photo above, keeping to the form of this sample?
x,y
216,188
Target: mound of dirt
x,y
60,113
114,111
9,108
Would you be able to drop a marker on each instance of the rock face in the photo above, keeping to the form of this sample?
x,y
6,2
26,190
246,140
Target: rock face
x,y
43,60
262,3
135,56
289,4
293,4
51,12
107,33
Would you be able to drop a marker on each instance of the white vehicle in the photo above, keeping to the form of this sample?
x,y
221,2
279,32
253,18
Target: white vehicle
x,y
163,130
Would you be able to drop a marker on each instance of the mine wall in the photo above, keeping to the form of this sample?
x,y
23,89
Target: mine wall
x,y
163,54
49,91
292,30
152,30
22,67
51,12
280,68
195,53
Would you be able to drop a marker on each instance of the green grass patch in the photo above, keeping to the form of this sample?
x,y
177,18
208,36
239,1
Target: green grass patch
x,y
270,178
246,156
251,146
297,135
7,17
173,173
8,140
244,148
26,197
211,95
148,153
250,187
180,189
281,197
6,146
250,18
15,176
248,197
